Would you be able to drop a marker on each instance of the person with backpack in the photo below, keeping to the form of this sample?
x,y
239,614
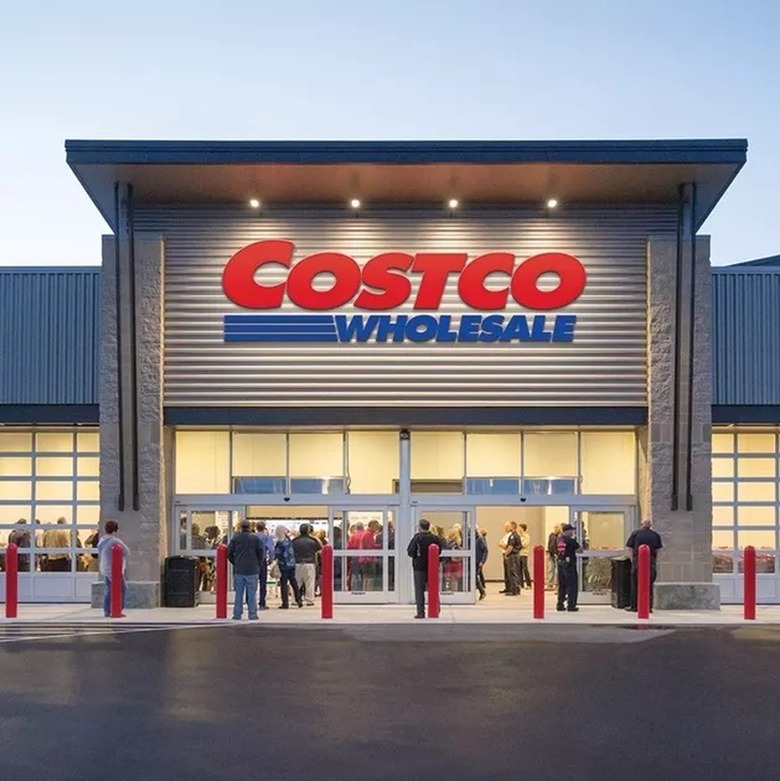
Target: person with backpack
x,y
285,556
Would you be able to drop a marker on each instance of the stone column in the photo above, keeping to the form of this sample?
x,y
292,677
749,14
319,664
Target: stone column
x,y
144,527
681,510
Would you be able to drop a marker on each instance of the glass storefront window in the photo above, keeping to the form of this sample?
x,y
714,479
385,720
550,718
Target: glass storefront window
x,y
88,466
54,490
437,455
259,455
54,466
608,462
373,461
316,455
15,442
723,492
756,467
15,466
54,442
723,467
756,516
722,516
550,454
493,455
757,492
756,443
15,489
722,540
722,443
202,462
758,539
88,442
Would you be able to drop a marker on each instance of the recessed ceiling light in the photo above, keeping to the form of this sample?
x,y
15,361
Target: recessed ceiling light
x,y
355,203
453,203
254,203
552,203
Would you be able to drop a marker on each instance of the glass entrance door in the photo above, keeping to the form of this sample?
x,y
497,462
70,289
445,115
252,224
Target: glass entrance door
x,y
602,533
456,528
199,533
364,554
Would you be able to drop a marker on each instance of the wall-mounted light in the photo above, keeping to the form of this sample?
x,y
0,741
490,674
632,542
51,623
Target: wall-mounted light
x,y
254,203
552,203
453,203
355,203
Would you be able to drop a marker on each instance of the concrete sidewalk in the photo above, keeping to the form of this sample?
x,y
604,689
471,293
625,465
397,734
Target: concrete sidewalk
x,y
491,611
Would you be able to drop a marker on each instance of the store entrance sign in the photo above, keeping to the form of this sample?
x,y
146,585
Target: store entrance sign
x,y
390,281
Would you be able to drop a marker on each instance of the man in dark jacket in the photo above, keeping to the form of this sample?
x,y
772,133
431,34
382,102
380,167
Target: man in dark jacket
x,y
418,552
643,536
568,584
246,554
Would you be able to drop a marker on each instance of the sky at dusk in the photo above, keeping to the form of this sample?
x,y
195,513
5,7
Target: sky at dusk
x,y
406,69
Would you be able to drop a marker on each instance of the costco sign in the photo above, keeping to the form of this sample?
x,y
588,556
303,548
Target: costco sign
x,y
390,280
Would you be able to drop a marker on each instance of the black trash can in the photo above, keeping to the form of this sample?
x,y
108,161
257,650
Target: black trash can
x,y
621,582
180,582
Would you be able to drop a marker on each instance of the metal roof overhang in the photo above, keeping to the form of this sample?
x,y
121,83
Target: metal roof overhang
x,y
392,172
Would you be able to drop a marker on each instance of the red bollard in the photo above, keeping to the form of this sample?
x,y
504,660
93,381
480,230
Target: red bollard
x,y
11,580
643,582
750,583
326,587
539,576
222,581
434,607
117,579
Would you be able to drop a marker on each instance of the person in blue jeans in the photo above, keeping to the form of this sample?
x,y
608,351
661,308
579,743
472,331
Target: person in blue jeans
x,y
104,547
246,554
285,555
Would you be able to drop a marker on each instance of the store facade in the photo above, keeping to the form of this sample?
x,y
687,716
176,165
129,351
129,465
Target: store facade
x,y
361,335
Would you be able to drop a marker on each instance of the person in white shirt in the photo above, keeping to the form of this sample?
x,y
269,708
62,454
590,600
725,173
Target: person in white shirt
x,y
525,539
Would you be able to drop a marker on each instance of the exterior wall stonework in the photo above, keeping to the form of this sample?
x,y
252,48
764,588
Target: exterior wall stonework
x,y
145,529
687,534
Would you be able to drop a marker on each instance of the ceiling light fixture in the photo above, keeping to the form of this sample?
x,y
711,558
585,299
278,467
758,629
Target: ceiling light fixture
x,y
552,203
453,203
355,203
254,203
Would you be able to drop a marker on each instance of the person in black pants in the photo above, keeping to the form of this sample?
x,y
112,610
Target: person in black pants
x,y
482,554
418,552
512,545
568,587
643,536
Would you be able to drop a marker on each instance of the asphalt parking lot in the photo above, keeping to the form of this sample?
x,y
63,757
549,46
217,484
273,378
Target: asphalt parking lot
x,y
388,702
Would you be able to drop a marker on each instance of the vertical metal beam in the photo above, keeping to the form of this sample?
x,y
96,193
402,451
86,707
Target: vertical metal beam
x,y
118,314
133,350
684,350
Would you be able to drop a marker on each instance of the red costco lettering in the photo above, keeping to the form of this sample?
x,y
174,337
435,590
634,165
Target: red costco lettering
x,y
384,282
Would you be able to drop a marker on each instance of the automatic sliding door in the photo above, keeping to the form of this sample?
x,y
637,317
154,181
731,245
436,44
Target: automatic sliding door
x,y
364,555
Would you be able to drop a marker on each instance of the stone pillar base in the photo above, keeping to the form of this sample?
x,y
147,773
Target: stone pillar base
x,y
141,594
686,596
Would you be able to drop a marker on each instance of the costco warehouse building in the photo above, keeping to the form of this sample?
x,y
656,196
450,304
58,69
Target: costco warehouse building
x,y
373,332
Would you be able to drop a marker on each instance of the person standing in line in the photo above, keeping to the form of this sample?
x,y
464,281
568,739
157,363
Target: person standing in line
x,y
552,558
285,555
481,550
512,560
503,543
643,536
525,541
245,553
105,548
417,551
21,538
568,587
268,557
306,549
58,538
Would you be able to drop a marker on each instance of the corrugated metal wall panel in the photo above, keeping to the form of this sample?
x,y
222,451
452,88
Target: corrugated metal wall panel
x,y
746,336
606,365
48,336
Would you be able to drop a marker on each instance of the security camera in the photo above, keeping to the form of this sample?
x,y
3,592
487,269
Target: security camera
x,y
522,498
286,498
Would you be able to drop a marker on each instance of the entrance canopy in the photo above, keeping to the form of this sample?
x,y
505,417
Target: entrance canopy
x,y
424,172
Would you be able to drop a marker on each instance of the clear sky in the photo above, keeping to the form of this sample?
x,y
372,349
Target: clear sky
x,y
378,69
